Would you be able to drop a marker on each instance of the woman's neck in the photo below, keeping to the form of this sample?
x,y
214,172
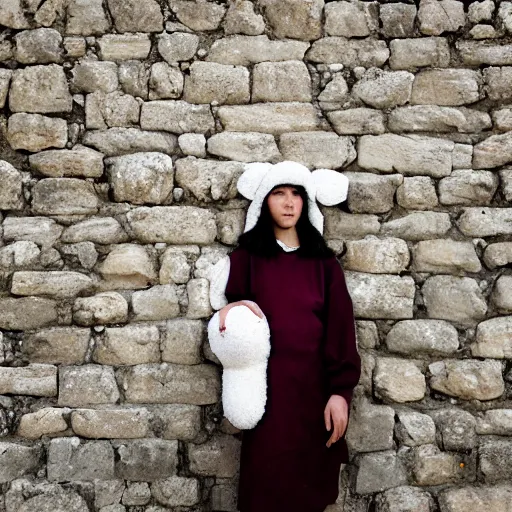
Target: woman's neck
x,y
287,236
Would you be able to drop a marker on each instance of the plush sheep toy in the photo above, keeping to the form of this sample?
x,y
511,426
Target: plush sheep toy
x,y
243,347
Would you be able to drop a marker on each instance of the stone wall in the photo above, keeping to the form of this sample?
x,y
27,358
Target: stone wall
x,y
123,128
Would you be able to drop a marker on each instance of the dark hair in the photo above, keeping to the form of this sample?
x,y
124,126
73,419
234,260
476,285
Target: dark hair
x,y
261,240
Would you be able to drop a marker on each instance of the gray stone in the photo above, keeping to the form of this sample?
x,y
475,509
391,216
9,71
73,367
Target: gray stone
x,y
418,226
468,379
347,19
493,338
397,20
498,255
398,380
50,283
436,17
445,257
484,221
244,147
176,117
122,141
220,457
124,47
39,46
494,151
5,80
500,296
136,16
193,144
68,459
57,345
11,15
474,53
404,499
107,110
241,19
176,491
45,421
137,493
34,379
90,384
27,313
176,264
340,225
198,16
170,383
371,193
80,161
19,255
379,471
64,196
165,82
246,50
335,92
34,132
349,52
357,121
415,429
159,302
103,308
100,230
211,82
230,225
483,32
506,183
417,193
17,460
182,341
198,298
457,428
433,467
90,76
271,82
422,336
494,456
40,89
177,46
468,187
495,421
419,52
275,118
492,498
86,18
497,80
134,78
481,11
180,421
74,47
11,187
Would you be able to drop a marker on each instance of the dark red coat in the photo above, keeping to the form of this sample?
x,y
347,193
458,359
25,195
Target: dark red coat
x,y
285,464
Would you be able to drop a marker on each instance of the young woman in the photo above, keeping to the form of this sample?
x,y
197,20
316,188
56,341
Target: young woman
x,y
290,461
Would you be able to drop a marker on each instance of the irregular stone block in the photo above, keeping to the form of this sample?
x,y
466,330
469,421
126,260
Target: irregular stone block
x,y
445,257
182,341
418,226
494,456
39,46
90,76
110,110
379,471
137,493
494,338
357,121
45,421
86,18
415,429
485,221
177,46
198,16
436,17
165,82
34,379
220,457
133,77
5,80
159,302
417,193
474,53
372,193
419,52
495,255
176,491
397,20
492,498
457,428
17,460
495,421
27,313
11,187
497,80
124,47
468,187
241,19
198,291
103,308
500,294
80,161
433,467
398,380
110,423
11,15
347,19
494,151
100,230
244,147
34,132
136,16
340,225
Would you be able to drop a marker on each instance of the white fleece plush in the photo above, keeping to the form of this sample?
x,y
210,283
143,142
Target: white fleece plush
x,y
243,349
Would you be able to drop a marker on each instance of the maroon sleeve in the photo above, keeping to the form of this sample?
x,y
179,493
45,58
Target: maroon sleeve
x,y
343,364
238,287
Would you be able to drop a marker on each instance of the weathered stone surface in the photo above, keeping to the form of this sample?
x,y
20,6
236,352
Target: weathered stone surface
x,y
182,341
419,52
506,183
147,459
103,308
176,264
432,337
110,110
244,147
411,155
220,457
445,257
19,256
57,345
137,493
433,118
198,298
378,256
351,53
241,19
474,53
348,19
40,230
11,187
68,459
335,92
379,471
5,80
136,16
124,47
128,266
110,423
176,117
398,380
381,296
498,255
340,225
494,338
317,150
418,226
133,77
494,456
74,47
415,429
177,491
468,379
165,82
370,427
492,498
64,196
457,429
500,295
35,132
208,180
90,384
141,177
133,344
11,15
177,46
211,82
17,460
100,230
52,283
494,151
397,20
47,420
122,141
230,225
173,224
383,89
180,421
40,89
495,421
404,498
433,467
86,18
193,144
34,379
27,313
198,16
484,221
80,161
275,118
246,50
357,121
370,192
170,383
270,82
39,46
497,80
436,17
468,187
480,11
417,193
91,76
159,302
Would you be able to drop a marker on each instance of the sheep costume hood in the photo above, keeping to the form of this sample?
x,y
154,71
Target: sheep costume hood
x,y
244,347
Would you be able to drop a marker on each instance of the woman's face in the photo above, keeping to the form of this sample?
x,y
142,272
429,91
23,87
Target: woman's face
x,y
285,205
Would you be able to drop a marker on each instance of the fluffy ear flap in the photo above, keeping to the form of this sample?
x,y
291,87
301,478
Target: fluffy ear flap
x,y
331,186
250,180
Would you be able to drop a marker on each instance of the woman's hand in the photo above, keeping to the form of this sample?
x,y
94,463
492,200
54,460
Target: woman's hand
x,y
337,410
224,311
